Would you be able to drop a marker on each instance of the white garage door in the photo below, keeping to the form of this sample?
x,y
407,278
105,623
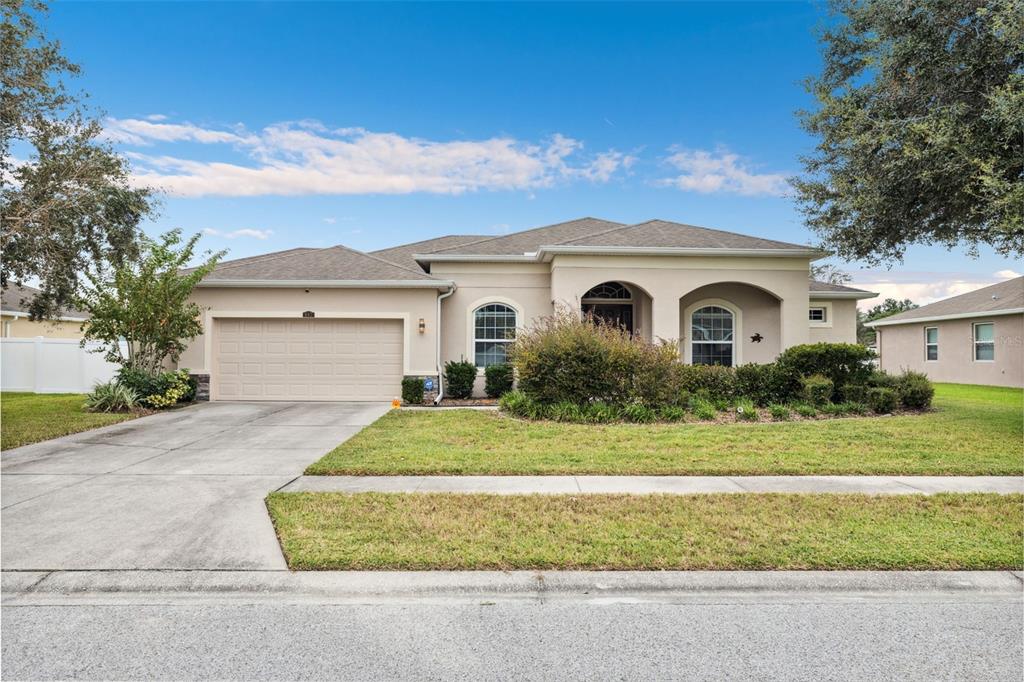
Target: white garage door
x,y
307,359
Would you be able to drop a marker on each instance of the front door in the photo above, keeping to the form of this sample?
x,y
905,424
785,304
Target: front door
x,y
619,314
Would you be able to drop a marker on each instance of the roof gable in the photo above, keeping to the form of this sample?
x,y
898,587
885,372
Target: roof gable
x,y
335,264
1008,295
528,241
403,253
667,234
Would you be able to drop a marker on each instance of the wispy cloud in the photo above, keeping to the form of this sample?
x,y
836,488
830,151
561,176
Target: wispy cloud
x,y
331,220
235,234
923,287
306,157
720,171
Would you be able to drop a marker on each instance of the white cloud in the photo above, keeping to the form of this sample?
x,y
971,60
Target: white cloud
x,y
1006,274
721,171
920,287
330,221
156,117
235,234
306,157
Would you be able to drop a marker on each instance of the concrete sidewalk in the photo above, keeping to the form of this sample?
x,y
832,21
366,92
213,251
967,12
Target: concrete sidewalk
x,y
679,485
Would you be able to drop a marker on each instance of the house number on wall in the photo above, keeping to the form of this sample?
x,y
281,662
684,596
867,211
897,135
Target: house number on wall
x,y
309,313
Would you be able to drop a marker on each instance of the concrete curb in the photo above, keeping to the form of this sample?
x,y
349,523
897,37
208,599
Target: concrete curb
x,y
368,587
678,485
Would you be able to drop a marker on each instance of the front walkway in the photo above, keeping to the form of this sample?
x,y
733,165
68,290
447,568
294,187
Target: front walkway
x,y
680,485
182,489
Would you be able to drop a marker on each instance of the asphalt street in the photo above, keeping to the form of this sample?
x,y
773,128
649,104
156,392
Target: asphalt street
x,y
961,639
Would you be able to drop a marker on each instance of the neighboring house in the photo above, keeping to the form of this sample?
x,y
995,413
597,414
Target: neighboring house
x,y
339,324
15,322
974,338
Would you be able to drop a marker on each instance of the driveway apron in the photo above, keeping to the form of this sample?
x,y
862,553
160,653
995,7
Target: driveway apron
x,y
176,490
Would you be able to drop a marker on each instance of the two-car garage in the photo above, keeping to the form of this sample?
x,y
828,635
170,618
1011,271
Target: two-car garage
x,y
307,359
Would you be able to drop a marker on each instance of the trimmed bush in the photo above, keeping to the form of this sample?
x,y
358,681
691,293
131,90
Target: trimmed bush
x,y
458,378
703,409
881,379
915,390
882,400
160,390
111,397
818,389
780,413
746,411
412,390
498,380
767,383
711,382
843,363
855,393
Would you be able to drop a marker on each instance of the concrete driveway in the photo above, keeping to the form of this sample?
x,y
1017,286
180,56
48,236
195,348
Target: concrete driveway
x,y
181,489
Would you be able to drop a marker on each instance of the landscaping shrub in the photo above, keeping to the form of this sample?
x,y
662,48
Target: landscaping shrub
x,y
458,378
703,409
111,397
180,387
817,389
881,379
672,413
767,383
565,411
857,408
711,382
915,390
843,363
745,410
855,393
498,380
601,413
780,413
638,413
412,390
882,400
514,402
805,410
143,383
839,409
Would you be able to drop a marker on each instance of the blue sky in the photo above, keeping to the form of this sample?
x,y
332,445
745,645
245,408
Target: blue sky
x,y
274,125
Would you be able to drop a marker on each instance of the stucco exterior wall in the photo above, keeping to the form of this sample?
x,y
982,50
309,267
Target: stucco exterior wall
x,y
841,326
756,312
903,347
668,279
407,304
24,328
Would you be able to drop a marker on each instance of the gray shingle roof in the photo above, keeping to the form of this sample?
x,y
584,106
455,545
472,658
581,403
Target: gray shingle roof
x,y
528,241
402,254
17,299
1008,295
666,234
338,263
815,285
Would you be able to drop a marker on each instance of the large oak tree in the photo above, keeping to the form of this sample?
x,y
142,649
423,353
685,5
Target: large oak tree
x,y
920,128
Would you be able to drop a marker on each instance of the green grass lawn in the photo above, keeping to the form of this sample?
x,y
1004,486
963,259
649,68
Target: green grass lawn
x,y
339,531
973,430
31,417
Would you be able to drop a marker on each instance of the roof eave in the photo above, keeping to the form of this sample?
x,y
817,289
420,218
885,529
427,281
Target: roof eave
x,y
545,253
329,283
856,295
887,322
17,314
474,258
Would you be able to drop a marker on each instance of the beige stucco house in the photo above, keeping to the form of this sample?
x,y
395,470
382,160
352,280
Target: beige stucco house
x,y
339,324
974,338
15,322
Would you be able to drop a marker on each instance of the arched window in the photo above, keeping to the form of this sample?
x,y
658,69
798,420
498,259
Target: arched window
x,y
711,336
609,290
494,328
611,302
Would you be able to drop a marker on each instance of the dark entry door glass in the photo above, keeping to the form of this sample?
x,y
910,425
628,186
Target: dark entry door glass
x,y
612,313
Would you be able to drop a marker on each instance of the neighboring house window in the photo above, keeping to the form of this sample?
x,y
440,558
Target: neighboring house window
x,y
817,315
984,342
712,336
494,327
931,343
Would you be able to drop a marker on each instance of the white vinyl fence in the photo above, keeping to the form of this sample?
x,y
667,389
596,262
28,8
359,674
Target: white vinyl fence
x,y
42,365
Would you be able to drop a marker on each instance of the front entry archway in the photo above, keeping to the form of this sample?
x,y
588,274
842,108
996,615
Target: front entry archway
x,y
612,303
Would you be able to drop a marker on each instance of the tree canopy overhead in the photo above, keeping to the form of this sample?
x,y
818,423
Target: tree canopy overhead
x,y
66,203
920,128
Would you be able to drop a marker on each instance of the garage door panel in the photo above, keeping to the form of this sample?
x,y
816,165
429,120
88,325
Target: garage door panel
x,y
311,359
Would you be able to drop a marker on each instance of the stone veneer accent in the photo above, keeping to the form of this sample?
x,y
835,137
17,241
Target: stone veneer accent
x,y
202,386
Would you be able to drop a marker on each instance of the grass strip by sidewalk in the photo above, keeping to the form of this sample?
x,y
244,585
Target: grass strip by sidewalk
x,y
438,531
32,417
975,430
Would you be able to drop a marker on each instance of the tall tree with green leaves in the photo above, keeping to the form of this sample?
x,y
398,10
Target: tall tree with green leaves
x,y
920,128
66,201
144,301
889,306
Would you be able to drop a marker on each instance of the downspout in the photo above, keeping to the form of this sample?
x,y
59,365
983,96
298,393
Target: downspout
x,y
440,372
